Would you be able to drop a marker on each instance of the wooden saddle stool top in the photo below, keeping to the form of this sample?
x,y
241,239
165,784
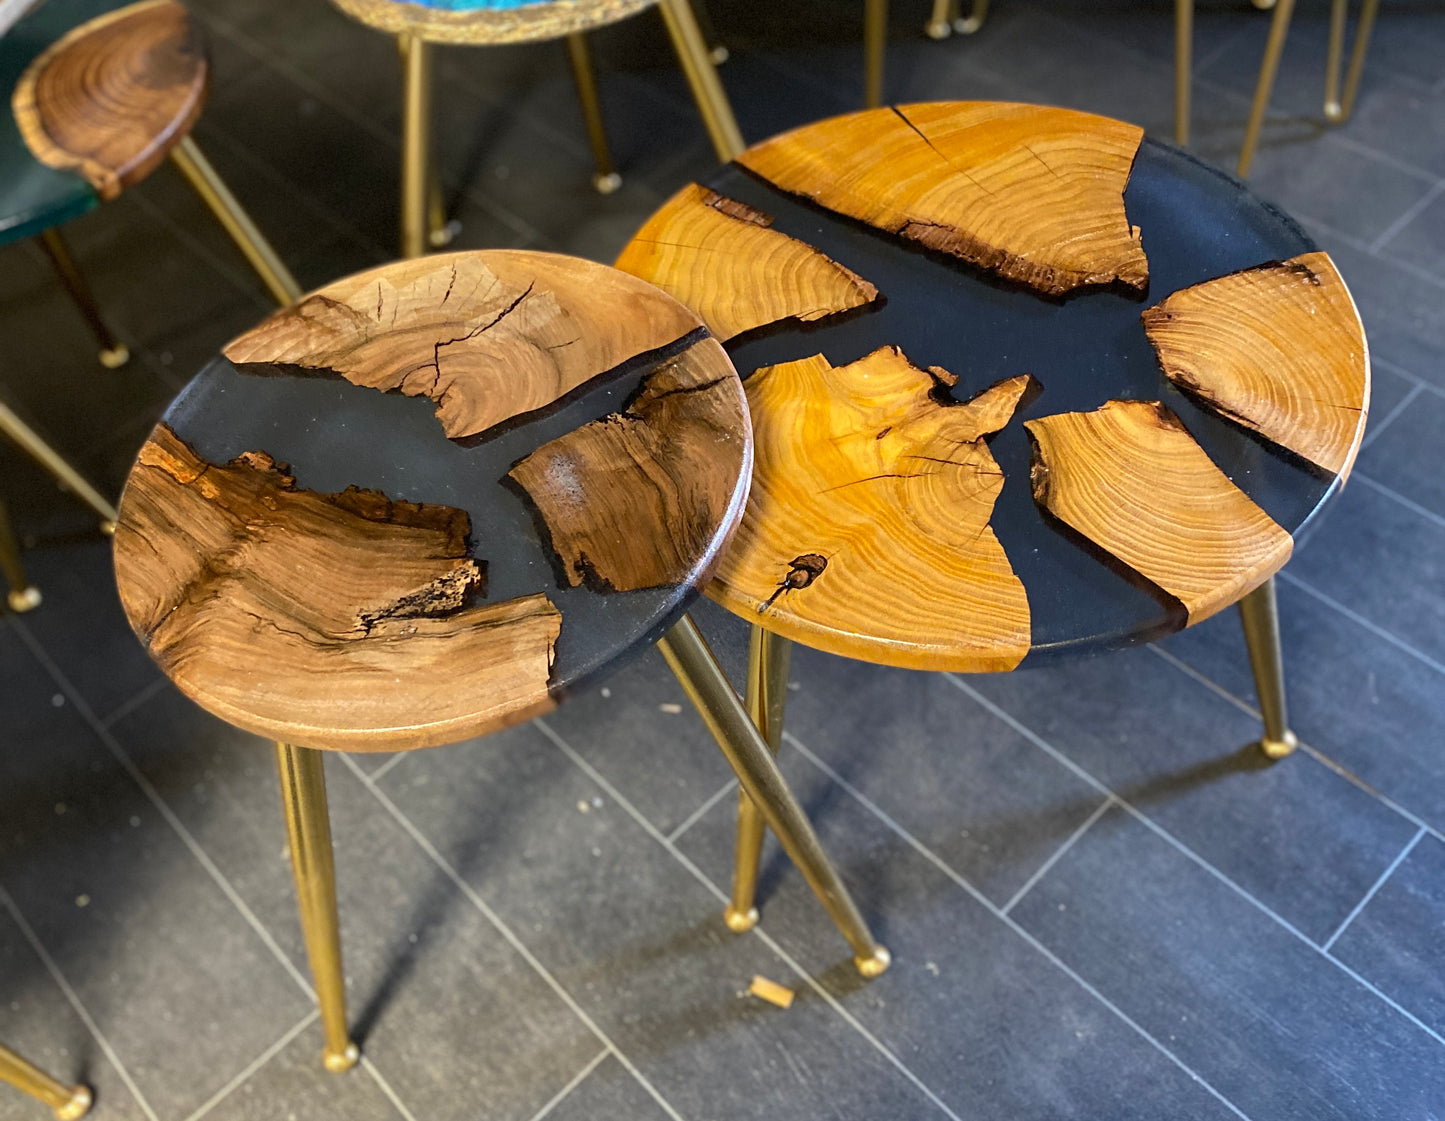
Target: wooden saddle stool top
x,y
489,21
899,286
425,501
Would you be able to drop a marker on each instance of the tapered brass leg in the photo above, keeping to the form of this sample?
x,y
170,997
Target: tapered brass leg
x,y
716,51
605,180
1259,613
875,45
1183,67
440,230
68,477
1340,110
23,595
940,23
758,774
212,188
113,353
308,825
66,1102
976,15
707,90
415,143
1334,60
767,698
1273,48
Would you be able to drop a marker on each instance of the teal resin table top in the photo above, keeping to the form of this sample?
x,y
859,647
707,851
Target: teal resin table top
x,y
489,21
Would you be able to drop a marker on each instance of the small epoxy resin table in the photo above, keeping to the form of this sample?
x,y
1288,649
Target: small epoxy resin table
x,y
1024,385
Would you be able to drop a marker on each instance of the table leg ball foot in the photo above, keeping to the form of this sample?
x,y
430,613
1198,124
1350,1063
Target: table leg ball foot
x,y
740,922
1278,749
339,1062
874,964
78,1105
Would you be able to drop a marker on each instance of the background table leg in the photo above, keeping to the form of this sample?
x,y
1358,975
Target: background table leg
x,y
1259,613
1273,48
113,353
32,445
707,90
416,85
23,595
875,43
605,180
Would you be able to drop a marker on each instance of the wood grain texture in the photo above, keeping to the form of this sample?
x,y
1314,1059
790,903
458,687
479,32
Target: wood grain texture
x,y
636,499
867,530
488,336
527,24
1279,349
330,620
721,258
1031,193
1130,478
110,98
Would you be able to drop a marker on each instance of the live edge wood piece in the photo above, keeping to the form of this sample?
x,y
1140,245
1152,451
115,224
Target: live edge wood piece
x,y
1030,193
1279,349
721,258
110,98
487,336
333,620
1130,478
867,531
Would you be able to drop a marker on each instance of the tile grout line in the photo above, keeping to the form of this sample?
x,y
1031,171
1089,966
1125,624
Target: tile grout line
x,y
1411,213
1355,617
1408,375
576,1081
1190,854
1376,886
243,280
505,931
392,1096
1042,870
1389,418
256,1064
73,998
721,896
1008,920
1409,503
388,765
126,707
699,813
1420,274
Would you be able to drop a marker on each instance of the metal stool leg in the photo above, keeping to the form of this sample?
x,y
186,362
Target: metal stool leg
x,y
68,477
707,90
767,697
875,44
1259,613
758,774
976,15
1183,67
66,1102
940,23
308,825
1339,111
605,180
716,51
212,188
113,353
415,143
23,596
1273,48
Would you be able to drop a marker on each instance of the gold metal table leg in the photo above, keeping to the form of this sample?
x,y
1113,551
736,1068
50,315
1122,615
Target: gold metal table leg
x,y
875,45
1268,68
1259,613
707,90
758,774
605,180
1338,110
940,23
66,1102
23,595
213,190
68,477
113,353
767,697
1183,67
308,826
976,15
415,143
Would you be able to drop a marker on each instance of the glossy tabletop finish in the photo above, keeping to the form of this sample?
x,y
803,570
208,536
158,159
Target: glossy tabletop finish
x,y
489,21
668,444
1084,349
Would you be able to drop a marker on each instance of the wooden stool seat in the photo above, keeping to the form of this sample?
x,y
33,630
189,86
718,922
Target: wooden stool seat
x,y
428,500
490,21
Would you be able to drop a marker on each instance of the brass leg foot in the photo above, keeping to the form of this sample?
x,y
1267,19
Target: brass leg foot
x,y
975,18
606,184
740,922
23,599
875,964
940,23
1278,749
115,357
65,1102
24,596
339,1062
1259,615
78,1106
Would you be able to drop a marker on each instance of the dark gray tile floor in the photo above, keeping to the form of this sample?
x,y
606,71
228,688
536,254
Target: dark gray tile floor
x,y
1100,902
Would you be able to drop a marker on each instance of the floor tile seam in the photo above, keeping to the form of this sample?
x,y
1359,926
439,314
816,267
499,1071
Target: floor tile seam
x,y
1374,888
135,701
1054,857
1341,140
387,767
721,896
1184,850
382,1084
959,880
1394,414
163,808
562,1094
701,812
1409,503
1409,375
1314,753
1355,617
508,935
270,1052
1421,274
1411,213
73,999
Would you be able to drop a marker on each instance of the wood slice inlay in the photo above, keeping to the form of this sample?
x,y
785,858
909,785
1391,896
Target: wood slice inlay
x,y
634,500
488,337
330,620
111,97
721,258
867,530
1130,478
1279,349
1031,193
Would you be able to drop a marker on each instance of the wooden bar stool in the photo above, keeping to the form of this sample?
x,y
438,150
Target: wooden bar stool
x,y
484,22
1189,369
303,567
67,1103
